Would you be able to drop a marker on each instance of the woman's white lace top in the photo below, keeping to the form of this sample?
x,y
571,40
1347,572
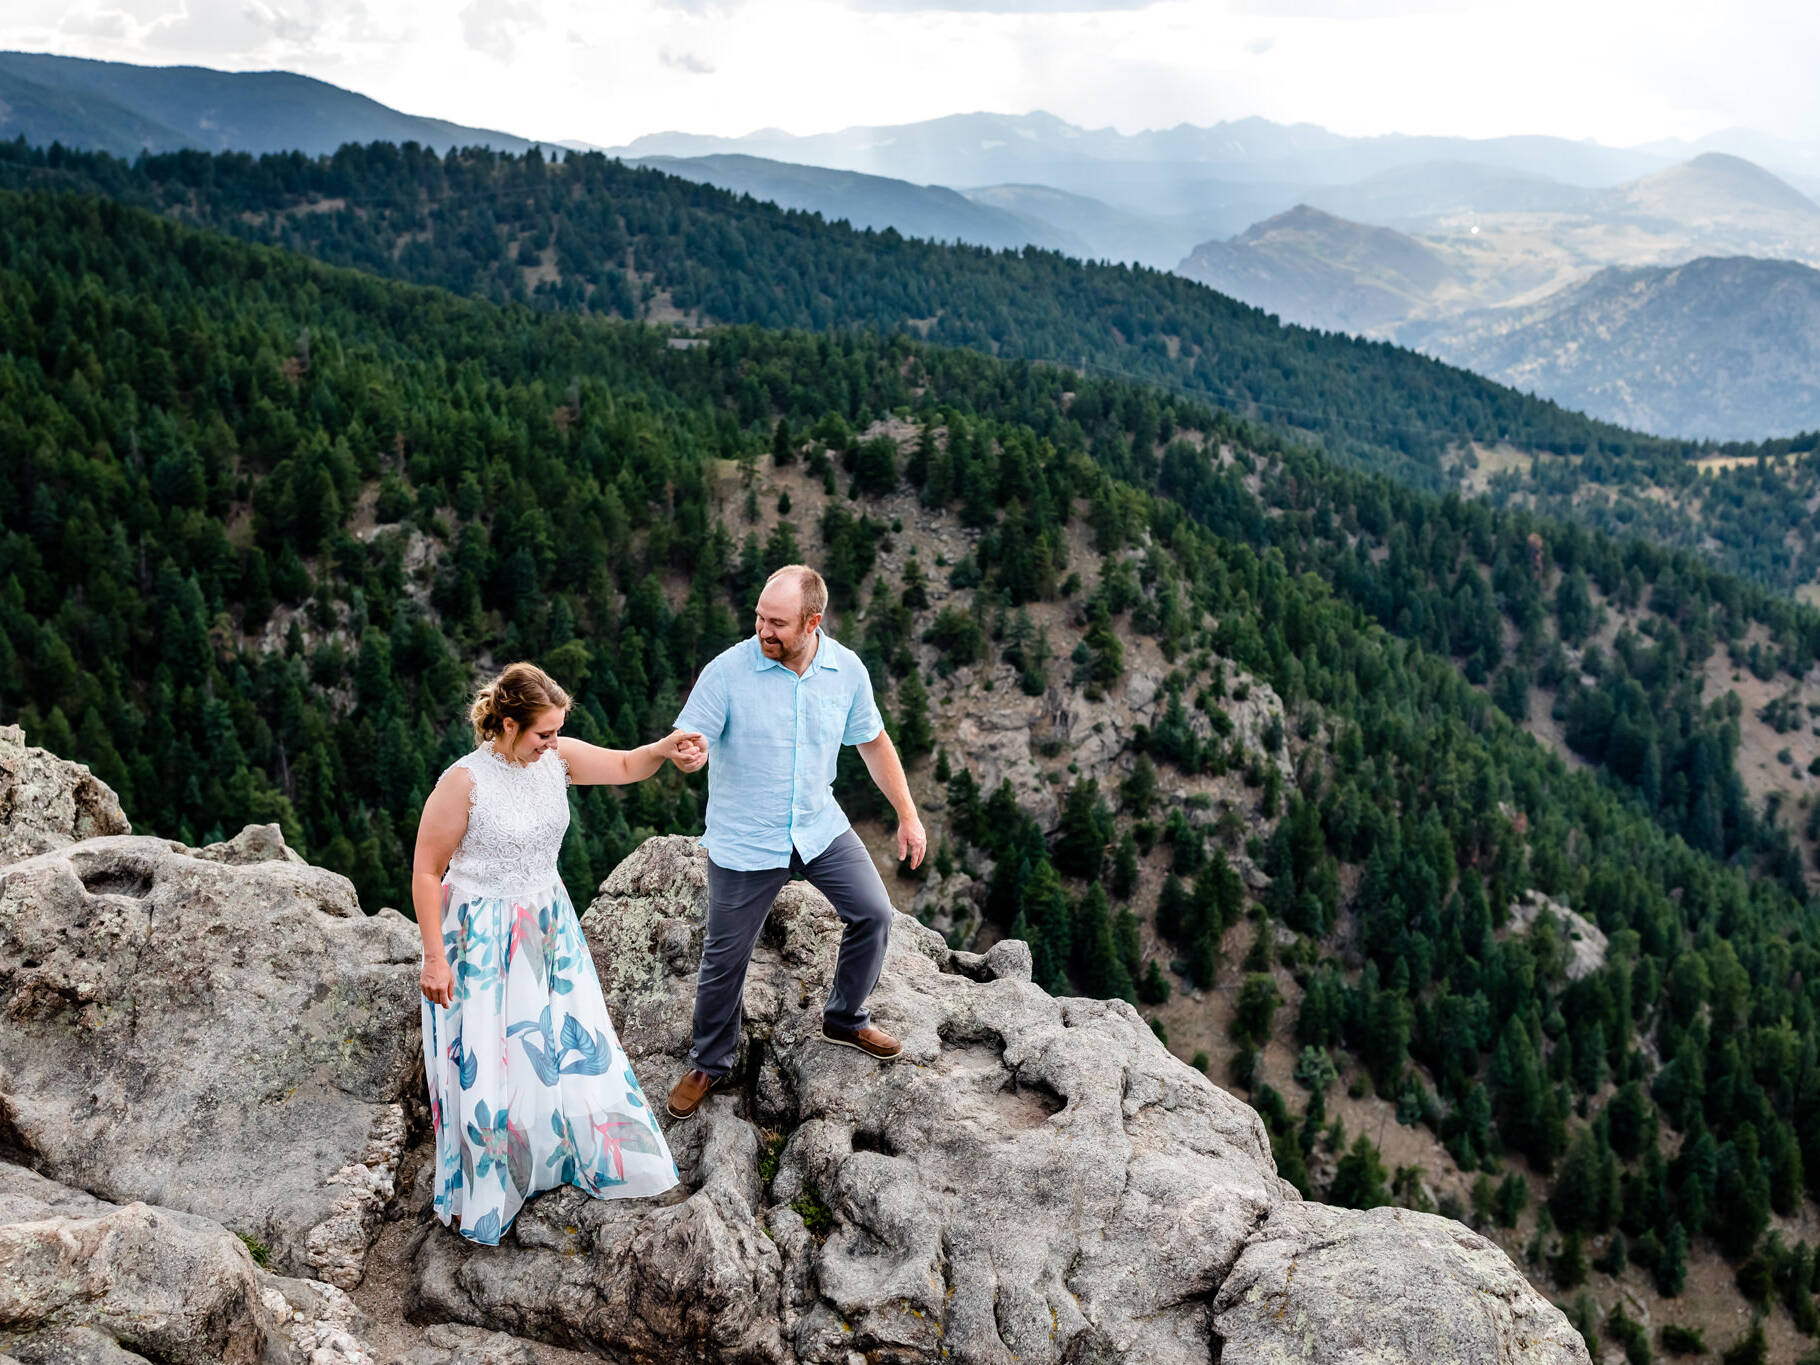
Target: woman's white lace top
x,y
517,817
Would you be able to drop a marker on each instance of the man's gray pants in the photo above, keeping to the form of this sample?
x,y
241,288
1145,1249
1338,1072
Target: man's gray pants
x,y
738,903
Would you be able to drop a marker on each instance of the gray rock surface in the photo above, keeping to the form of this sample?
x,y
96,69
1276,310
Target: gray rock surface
x,y
86,1282
1336,1285
1035,1179
1097,734
1579,942
47,802
232,1038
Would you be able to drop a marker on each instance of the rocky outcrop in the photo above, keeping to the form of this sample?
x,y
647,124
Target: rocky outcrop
x,y
223,1033
47,802
1576,941
204,1043
1000,741
1035,1179
1335,1285
83,1280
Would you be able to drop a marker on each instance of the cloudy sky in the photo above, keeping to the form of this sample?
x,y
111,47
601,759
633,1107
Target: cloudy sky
x,y
1621,71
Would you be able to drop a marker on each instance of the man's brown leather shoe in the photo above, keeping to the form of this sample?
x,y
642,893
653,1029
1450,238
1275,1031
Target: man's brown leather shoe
x,y
874,1042
688,1093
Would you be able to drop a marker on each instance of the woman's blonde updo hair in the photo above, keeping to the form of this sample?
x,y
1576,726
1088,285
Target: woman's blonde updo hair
x,y
521,693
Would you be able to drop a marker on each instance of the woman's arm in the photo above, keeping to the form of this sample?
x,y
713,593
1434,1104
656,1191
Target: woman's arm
x,y
439,831
590,765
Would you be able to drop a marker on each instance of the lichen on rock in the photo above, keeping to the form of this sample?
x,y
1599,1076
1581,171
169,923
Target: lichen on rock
x,y
1035,1179
48,802
232,1039
199,1041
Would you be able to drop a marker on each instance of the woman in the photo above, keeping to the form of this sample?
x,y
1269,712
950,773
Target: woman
x,y
529,1087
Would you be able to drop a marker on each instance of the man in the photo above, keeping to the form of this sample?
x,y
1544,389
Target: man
x,y
774,711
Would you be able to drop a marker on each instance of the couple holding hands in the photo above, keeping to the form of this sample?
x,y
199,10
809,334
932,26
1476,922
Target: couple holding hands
x,y
529,1087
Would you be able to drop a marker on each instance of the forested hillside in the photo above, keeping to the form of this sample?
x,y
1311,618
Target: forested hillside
x,y
589,235
266,519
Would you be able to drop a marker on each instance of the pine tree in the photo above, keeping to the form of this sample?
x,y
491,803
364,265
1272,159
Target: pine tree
x,y
1086,827
1359,1180
1570,1266
1099,962
1256,1007
916,588
1171,907
1154,988
915,734
1671,1269
1046,910
1125,871
1137,793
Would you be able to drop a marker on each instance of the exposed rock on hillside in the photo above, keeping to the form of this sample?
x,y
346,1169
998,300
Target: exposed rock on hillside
x,y
221,1032
1320,1283
225,1037
47,802
999,740
91,1283
1581,942
1036,1179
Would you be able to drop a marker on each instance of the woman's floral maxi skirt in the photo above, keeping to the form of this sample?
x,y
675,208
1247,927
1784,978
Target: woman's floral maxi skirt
x,y
529,1087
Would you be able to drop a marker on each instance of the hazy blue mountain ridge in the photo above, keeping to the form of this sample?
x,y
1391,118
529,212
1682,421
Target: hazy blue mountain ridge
x,y
117,107
1715,348
871,201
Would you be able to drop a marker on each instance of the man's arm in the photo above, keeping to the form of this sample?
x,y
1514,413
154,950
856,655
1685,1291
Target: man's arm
x,y
705,713
888,772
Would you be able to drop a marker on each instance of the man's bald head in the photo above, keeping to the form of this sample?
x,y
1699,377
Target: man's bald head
x,y
810,588
789,611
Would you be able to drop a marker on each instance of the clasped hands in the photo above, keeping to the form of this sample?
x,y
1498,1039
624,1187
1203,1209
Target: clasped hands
x,y
684,748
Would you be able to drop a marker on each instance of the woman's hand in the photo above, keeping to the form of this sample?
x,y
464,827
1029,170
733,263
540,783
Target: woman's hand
x,y
437,982
684,748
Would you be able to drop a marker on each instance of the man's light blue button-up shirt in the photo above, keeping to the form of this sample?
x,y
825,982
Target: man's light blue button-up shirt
x,y
773,739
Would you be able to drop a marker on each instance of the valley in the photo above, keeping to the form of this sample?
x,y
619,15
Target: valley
x,y
1431,765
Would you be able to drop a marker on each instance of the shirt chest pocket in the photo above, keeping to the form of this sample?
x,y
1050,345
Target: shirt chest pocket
x,y
827,718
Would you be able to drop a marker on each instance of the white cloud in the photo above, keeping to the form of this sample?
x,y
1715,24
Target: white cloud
x,y
1348,9
1622,70
495,26
102,24
1005,6
686,61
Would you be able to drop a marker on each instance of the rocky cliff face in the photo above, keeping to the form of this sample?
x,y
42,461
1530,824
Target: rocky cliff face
x,y
46,803
199,1043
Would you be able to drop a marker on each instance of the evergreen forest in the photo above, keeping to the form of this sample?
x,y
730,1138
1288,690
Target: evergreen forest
x,y
266,519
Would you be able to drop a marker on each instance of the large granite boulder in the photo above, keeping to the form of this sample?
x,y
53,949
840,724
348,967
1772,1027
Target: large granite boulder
x,y
47,802
1321,1283
1036,1179
220,1032
86,1282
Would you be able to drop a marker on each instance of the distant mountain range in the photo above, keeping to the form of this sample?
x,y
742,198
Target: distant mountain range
x,y
120,108
1648,341
1409,238
977,149
1519,239
1314,268
872,201
1712,348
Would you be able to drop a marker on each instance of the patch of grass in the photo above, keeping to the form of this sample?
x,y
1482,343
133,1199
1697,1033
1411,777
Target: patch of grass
x,y
816,1216
258,1250
770,1155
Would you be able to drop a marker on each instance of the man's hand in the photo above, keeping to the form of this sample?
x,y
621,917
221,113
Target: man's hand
x,y
437,982
912,842
684,748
